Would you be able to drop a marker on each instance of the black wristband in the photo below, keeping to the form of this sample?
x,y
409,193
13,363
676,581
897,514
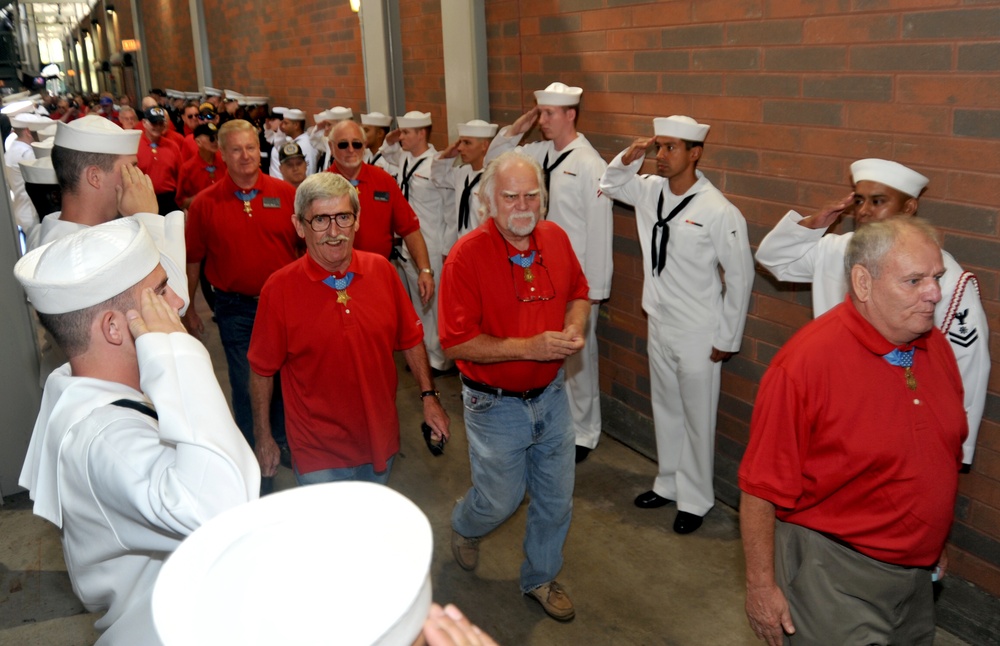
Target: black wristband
x,y
428,393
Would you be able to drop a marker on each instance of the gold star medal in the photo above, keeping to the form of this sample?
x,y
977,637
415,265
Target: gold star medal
x,y
911,381
529,277
246,198
343,296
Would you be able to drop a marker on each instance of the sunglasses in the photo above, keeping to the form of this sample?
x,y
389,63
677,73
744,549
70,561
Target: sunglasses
x,y
356,145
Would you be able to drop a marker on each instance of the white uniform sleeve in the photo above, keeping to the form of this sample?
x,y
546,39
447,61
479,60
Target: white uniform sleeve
x,y
964,324
444,175
789,250
501,144
392,154
200,465
732,245
620,182
598,262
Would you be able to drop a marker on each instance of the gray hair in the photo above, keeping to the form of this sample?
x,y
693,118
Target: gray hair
x,y
488,185
871,242
322,186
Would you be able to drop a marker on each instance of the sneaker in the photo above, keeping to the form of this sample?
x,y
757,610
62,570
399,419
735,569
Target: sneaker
x,y
465,550
554,600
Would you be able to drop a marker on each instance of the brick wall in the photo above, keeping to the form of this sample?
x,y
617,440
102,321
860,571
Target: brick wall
x,y
305,55
169,46
795,90
423,64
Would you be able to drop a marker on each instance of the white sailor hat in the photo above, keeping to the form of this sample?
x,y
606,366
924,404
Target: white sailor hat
x,y
87,267
293,114
279,110
48,132
174,94
414,119
17,107
31,121
559,94
93,134
359,573
376,119
890,173
233,95
192,96
38,171
340,113
322,117
17,97
258,100
43,148
477,128
211,91
681,127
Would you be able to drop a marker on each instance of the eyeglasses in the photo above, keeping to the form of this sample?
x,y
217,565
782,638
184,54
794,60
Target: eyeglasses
x,y
356,145
532,283
321,223
511,199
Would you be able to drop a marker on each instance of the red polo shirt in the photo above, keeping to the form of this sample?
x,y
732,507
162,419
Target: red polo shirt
x,y
479,294
196,175
242,250
384,211
841,445
338,377
161,162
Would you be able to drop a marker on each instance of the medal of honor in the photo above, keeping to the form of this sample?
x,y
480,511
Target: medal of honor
x,y
341,285
911,381
246,199
343,296
529,277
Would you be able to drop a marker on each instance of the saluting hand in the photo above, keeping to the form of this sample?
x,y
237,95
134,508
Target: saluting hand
x,y
637,150
829,213
136,194
392,137
156,315
524,122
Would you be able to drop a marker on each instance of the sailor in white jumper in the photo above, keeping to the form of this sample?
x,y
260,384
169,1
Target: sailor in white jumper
x,y
797,251
694,324
572,170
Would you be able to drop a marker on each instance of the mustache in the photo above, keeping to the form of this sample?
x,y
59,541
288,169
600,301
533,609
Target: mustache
x,y
336,238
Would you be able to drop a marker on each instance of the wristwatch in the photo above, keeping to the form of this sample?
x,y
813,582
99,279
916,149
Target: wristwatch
x,y
427,270
428,393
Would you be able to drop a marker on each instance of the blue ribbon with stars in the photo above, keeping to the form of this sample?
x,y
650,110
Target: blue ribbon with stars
x,y
523,262
901,358
339,284
248,196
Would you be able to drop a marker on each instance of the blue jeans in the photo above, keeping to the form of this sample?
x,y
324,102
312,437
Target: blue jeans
x,y
362,472
235,314
517,445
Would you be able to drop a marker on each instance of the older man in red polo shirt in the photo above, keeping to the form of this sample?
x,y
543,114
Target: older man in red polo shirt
x,y
159,158
241,227
513,306
386,211
342,428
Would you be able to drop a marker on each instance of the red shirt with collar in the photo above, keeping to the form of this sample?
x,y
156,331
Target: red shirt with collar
x,y
196,175
384,211
842,446
161,161
482,290
338,376
242,250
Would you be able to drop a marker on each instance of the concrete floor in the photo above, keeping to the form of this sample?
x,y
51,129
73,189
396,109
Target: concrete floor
x,y
632,580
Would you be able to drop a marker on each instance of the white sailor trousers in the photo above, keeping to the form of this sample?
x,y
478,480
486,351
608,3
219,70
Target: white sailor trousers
x,y
584,387
684,385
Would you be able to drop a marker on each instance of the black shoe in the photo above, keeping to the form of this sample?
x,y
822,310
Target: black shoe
x,y
286,456
651,500
581,453
686,523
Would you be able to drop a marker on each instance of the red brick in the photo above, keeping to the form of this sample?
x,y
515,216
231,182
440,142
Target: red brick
x,y
633,39
726,10
763,136
857,146
782,312
981,488
850,29
822,167
973,569
973,188
612,18
970,154
949,89
790,8
904,118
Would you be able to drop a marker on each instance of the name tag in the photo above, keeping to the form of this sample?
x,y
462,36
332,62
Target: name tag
x,y
381,196
272,202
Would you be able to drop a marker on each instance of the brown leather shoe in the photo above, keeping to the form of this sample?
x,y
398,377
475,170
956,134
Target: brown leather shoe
x,y
554,600
465,551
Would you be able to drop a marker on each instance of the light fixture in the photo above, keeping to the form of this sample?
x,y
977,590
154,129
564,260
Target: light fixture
x,y
109,8
355,6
